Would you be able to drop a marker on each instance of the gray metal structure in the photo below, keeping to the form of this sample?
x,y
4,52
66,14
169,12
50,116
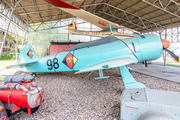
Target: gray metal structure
x,y
149,104
141,15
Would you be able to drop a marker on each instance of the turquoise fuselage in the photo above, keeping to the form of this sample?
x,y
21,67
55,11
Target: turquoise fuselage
x,y
145,47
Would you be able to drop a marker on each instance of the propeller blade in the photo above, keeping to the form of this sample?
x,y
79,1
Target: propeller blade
x,y
177,58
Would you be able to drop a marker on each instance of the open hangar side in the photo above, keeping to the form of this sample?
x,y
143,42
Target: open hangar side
x,y
38,17
39,23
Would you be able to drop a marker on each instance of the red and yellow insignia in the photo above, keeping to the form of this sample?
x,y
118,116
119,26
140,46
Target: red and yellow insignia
x,y
70,60
71,25
30,53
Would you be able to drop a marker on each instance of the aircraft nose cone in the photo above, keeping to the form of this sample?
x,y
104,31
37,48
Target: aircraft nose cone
x,y
165,43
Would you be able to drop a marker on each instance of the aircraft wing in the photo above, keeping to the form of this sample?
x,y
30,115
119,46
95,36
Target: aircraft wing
x,y
20,65
110,64
89,17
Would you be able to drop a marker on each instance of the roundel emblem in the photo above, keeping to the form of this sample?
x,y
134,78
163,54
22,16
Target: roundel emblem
x,y
70,60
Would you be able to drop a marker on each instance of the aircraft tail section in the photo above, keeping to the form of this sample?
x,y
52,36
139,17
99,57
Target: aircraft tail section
x,y
27,54
136,34
72,27
27,57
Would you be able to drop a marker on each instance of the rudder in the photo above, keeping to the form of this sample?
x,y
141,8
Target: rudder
x,y
72,27
27,54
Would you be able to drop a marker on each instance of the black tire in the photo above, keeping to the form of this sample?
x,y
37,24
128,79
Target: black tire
x,y
33,110
33,74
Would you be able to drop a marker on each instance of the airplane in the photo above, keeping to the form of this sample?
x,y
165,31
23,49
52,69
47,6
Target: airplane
x,y
104,33
108,27
105,53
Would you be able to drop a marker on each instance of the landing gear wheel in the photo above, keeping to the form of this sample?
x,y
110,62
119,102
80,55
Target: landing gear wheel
x,y
33,110
33,74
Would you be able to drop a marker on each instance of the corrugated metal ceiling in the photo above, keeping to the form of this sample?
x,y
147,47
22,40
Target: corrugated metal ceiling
x,y
140,15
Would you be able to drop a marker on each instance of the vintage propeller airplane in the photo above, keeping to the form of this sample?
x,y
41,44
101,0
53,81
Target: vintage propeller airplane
x,y
107,26
105,53
104,33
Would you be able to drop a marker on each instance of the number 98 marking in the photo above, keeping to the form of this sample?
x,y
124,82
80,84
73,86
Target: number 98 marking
x,y
52,63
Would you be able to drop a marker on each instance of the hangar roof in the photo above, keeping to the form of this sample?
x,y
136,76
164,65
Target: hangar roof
x,y
140,15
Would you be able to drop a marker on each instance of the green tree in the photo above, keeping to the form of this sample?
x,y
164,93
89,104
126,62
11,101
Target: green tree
x,y
14,37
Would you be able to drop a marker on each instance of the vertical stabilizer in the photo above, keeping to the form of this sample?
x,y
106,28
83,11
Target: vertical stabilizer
x,y
72,27
27,54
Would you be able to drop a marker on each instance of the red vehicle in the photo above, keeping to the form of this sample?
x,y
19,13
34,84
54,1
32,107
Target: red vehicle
x,y
19,95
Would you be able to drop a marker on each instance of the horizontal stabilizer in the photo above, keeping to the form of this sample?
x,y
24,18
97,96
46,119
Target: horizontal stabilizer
x,y
21,65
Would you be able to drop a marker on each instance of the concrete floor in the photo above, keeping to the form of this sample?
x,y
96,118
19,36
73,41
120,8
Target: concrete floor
x,y
170,73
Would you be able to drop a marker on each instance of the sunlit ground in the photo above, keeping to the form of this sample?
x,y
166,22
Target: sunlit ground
x,y
169,62
173,64
5,63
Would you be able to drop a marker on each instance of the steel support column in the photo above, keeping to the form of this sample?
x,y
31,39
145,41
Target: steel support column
x,y
24,37
33,38
16,45
4,38
12,10
164,52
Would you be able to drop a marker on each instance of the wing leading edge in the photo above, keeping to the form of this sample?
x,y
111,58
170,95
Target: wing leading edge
x,y
89,17
110,64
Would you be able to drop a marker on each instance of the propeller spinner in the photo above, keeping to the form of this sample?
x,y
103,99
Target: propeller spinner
x,y
166,44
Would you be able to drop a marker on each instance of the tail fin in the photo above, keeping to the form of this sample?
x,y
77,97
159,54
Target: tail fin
x,y
136,34
27,54
72,27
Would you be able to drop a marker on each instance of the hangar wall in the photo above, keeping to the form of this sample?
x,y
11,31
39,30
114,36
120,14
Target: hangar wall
x,y
41,35
17,26
11,23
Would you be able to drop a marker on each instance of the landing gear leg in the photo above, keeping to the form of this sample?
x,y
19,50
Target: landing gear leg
x,y
128,79
33,74
101,75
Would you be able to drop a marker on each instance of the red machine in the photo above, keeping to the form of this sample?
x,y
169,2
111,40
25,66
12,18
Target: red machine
x,y
25,95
